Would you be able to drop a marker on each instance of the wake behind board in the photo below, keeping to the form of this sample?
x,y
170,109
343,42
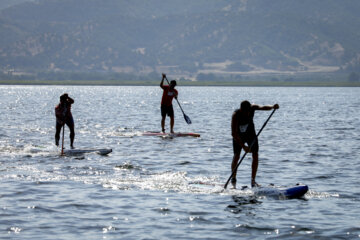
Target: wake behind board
x,y
178,134
101,151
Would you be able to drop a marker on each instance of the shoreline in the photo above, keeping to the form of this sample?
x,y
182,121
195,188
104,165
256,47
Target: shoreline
x,y
182,83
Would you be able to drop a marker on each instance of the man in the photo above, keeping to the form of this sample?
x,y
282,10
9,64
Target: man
x,y
64,116
243,131
169,92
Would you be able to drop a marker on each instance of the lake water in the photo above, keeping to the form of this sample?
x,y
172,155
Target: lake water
x,y
143,189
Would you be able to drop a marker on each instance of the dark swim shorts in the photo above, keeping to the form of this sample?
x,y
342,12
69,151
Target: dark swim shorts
x,y
248,138
69,121
167,110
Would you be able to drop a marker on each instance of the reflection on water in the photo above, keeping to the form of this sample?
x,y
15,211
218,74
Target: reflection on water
x,y
241,204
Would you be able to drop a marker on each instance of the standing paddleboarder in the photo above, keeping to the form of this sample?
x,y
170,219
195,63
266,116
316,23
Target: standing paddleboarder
x,y
169,92
243,131
64,116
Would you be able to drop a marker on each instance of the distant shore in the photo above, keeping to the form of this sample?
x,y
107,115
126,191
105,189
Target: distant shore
x,y
184,83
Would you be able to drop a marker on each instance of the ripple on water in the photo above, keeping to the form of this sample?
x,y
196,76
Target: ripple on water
x,y
149,185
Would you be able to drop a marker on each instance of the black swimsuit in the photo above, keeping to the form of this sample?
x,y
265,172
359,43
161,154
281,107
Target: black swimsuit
x,y
246,131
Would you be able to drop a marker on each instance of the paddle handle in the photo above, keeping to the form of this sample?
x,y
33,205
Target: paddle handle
x,y
252,143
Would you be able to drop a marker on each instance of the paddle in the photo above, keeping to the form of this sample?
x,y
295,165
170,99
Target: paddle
x,y
62,145
187,119
232,174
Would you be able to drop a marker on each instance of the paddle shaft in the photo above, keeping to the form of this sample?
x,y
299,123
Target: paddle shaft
x,y
233,172
62,145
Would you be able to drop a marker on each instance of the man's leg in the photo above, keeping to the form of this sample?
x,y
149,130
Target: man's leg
x,y
57,134
172,121
163,116
254,167
72,135
71,125
236,157
234,163
163,123
170,112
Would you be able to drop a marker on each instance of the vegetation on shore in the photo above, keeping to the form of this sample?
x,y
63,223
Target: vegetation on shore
x,y
313,83
338,79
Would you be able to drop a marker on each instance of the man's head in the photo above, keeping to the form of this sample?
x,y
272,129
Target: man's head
x,y
245,106
172,83
64,97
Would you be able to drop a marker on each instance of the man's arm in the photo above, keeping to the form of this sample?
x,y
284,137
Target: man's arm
x,y
176,93
235,133
70,100
265,108
59,114
162,80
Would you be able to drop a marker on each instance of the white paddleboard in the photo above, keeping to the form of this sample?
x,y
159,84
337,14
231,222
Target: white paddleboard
x,y
178,134
101,151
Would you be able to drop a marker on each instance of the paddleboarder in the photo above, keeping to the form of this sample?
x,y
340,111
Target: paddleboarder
x,y
244,136
64,116
169,92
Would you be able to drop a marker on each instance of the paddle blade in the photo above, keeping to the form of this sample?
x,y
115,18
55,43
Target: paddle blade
x,y
187,119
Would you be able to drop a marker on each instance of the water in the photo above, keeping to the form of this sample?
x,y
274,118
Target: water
x,y
143,189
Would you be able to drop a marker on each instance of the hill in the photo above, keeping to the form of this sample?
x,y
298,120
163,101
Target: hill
x,y
8,3
181,37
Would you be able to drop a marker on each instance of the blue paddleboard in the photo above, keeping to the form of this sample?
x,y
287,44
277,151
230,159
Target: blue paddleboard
x,y
296,192
285,192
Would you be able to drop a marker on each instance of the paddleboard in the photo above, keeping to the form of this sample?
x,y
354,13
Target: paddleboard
x,y
297,191
285,192
178,134
101,151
